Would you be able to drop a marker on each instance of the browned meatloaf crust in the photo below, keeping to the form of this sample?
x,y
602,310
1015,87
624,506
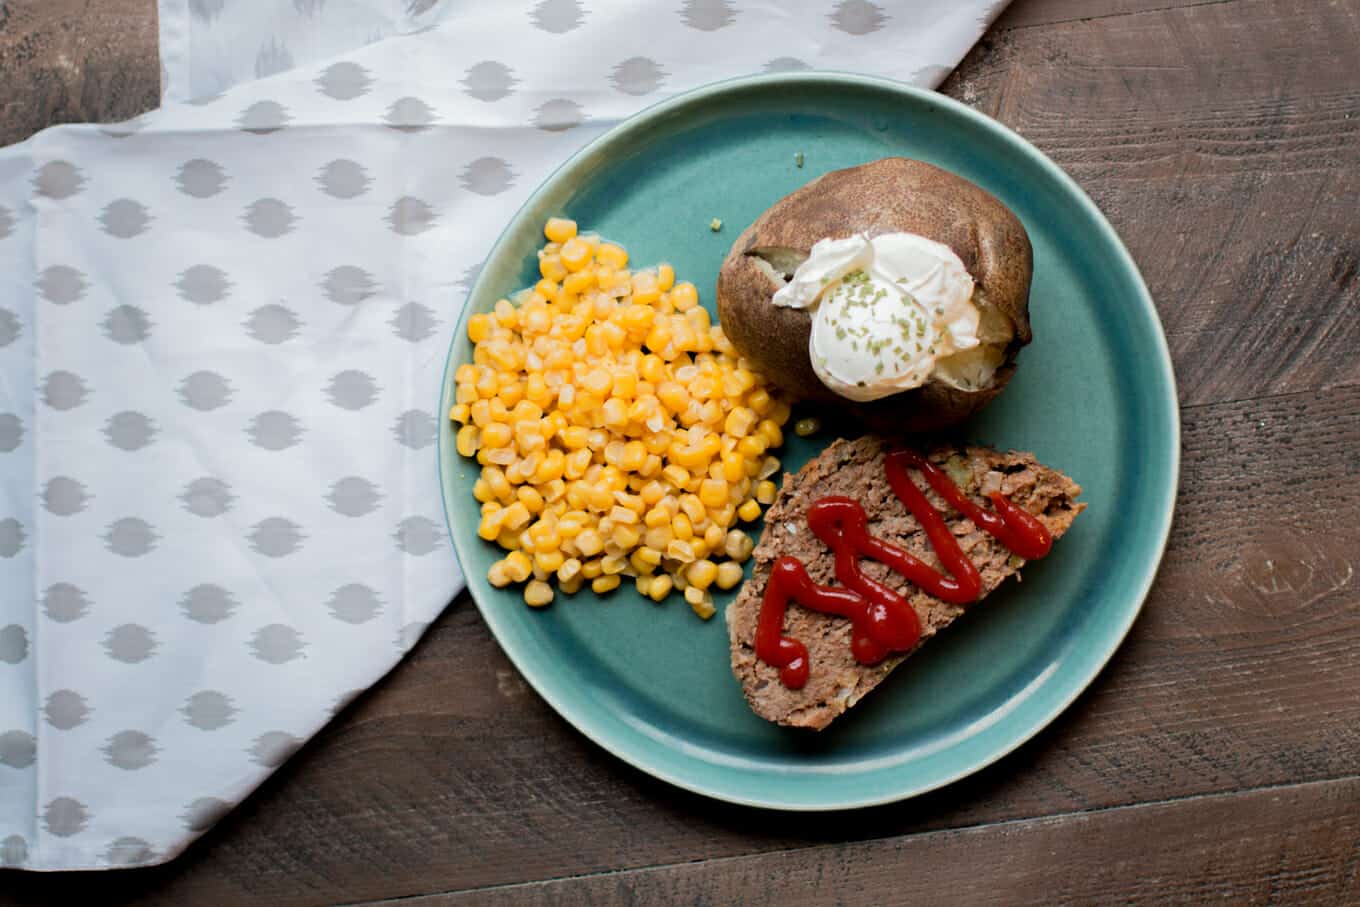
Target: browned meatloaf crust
x,y
855,469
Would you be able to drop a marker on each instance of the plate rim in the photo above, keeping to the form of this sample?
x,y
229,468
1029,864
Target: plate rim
x,y
579,717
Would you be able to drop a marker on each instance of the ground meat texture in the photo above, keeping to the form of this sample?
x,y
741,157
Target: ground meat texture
x,y
854,468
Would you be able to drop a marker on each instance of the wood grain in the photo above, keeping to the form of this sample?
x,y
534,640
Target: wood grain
x,y
75,61
1294,845
1220,138
1241,673
1223,142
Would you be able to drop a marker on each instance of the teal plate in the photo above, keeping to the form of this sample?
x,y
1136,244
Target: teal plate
x,y
1094,396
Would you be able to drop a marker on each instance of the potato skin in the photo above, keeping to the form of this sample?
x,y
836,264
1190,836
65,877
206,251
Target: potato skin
x,y
884,196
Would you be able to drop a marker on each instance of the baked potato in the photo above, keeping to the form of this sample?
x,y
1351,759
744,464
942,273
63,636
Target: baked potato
x,y
888,196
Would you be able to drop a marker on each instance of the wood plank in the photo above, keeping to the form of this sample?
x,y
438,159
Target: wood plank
x,y
1223,142
1027,14
1292,845
71,61
1241,673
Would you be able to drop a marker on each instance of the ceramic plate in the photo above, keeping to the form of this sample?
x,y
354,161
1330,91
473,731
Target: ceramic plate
x,y
1094,396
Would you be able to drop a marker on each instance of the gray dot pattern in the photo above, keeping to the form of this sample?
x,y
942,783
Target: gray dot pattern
x,y
62,284
13,644
241,328
130,430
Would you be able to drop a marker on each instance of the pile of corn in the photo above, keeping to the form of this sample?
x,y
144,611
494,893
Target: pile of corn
x,y
618,433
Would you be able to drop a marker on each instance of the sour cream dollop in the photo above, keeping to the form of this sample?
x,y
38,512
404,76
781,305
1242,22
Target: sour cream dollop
x,y
885,311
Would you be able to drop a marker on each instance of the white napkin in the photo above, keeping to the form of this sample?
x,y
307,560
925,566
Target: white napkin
x,y
222,330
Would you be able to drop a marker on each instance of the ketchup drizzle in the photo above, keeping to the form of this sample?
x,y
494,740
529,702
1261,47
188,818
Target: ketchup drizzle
x,y
884,621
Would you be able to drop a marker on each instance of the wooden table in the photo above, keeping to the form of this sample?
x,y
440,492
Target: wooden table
x,y
1217,757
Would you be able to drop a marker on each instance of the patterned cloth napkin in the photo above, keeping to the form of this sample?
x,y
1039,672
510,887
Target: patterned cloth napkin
x,y
222,332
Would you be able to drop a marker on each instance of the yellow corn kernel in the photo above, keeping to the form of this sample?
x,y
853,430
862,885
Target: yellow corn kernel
x,y
665,277
559,229
466,440
738,545
682,528
766,492
571,586
658,516
537,594
634,454
694,507
499,484
714,534
578,282
505,313
591,568
700,602
549,561
490,526
571,524
602,584
508,540
733,466
701,574
749,510
479,327
498,576
481,490
612,564
615,414
460,412
575,437
673,396
760,401
578,461
752,447
569,569
729,575
589,542
774,437
530,498
611,255
680,550
712,493
661,587
496,434
684,296
643,584
677,475
740,421
651,493
518,565
575,253
516,516
551,267
546,540
597,381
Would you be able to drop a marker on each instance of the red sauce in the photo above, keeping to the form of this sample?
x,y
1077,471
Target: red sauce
x,y
883,620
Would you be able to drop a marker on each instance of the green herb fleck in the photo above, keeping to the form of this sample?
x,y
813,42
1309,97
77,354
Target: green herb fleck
x,y
798,159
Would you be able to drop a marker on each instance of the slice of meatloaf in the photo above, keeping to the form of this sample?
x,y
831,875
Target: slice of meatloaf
x,y
855,469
